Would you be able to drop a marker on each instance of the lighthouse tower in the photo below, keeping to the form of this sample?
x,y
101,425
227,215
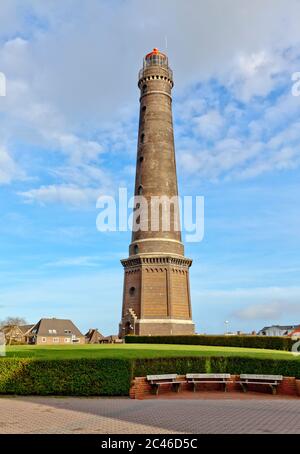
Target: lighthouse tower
x,y
156,294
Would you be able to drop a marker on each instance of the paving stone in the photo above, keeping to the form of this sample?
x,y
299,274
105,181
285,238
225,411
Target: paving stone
x,y
152,416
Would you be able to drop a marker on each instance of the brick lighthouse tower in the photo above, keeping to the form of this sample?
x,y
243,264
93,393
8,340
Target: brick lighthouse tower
x,y
156,295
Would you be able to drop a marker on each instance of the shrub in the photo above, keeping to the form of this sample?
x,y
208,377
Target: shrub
x,y
112,377
267,342
221,364
78,377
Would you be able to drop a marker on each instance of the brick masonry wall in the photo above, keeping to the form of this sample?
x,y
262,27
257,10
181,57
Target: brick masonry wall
x,y
179,293
49,340
288,387
140,388
298,387
132,299
163,329
155,290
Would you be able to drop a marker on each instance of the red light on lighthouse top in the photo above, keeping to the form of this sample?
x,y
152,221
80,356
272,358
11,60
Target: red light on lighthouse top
x,y
156,58
154,52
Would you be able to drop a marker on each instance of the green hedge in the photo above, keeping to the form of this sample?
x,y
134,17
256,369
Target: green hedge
x,y
78,377
112,377
219,364
267,342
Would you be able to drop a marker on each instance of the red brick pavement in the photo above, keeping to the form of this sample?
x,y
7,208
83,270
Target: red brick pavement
x,y
210,413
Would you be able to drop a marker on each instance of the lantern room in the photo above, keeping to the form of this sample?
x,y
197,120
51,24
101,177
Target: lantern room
x,y
155,58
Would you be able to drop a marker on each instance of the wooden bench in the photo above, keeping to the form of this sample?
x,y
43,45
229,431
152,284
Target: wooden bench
x,y
168,379
196,379
251,379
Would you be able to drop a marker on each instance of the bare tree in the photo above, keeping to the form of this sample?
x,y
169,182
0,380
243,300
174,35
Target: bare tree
x,y
13,321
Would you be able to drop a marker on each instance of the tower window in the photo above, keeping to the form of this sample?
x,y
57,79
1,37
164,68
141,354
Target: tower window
x,y
140,190
144,108
132,291
144,88
141,159
135,249
142,138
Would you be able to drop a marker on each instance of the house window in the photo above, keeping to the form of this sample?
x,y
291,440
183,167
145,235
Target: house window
x,y
52,331
55,340
67,340
44,339
67,331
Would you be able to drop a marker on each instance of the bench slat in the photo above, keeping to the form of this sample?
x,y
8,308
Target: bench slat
x,y
162,377
261,377
211,381
258,382
190,376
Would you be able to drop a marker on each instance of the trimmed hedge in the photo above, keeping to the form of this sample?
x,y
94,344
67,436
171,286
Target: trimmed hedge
x,y
112,377
74,377
234,365
267,342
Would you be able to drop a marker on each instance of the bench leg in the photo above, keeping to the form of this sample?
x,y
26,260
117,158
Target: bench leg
x,y
225,387
176,387
155,388
274,390
194,387
244,387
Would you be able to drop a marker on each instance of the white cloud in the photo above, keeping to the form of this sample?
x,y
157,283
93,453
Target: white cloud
x,y
210,125
256,74
84,261
271,311
260,138
67,100
69,195
8,168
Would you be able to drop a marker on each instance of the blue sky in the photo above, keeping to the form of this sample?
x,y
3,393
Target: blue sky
x,y
68,128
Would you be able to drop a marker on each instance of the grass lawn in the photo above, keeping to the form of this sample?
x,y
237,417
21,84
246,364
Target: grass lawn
x,y
133,351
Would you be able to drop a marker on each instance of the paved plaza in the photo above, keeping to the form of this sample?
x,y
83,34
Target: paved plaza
x,y
209,413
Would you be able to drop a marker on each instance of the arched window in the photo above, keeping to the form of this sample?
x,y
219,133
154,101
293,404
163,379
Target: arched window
x,y
144,109
135,249
140,190
141,159
142,138
132,291
144,88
